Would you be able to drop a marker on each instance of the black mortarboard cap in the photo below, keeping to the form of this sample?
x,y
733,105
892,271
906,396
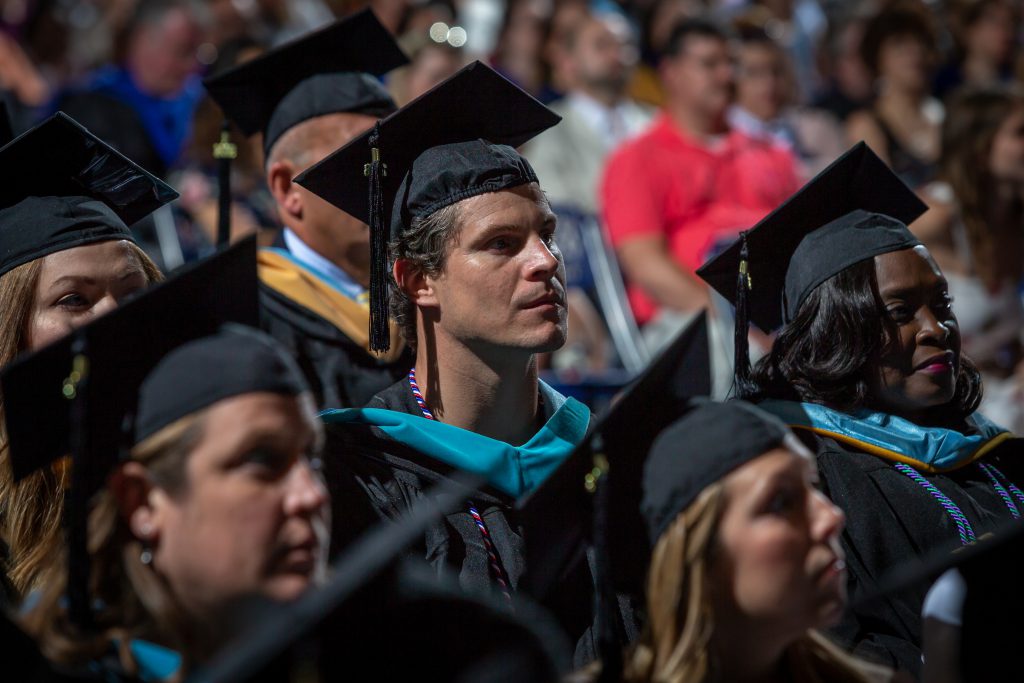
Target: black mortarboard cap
x,y
454,142
234,360
76,396
560,513
332,70
698,449
378,603
855,209
114,354
594,495
65,188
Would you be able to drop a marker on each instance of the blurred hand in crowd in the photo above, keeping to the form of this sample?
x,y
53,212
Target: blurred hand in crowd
x,y
19,75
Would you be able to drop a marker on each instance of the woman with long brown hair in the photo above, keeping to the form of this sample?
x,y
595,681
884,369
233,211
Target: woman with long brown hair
x,y
974,233
66,256
746,562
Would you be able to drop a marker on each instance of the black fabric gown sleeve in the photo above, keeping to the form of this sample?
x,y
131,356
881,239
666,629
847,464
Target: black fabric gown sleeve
x,y
890,520
393,476
339,371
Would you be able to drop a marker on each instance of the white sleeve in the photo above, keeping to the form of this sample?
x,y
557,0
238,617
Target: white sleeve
x,y
945,599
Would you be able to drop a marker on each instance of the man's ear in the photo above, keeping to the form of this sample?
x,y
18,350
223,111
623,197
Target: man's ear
x,y
414,282
134,494
286,193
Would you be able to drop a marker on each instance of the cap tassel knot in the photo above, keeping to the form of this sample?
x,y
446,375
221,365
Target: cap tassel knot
x,y
376,170
224,151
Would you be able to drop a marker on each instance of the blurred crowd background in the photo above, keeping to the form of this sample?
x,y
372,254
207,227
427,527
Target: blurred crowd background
x,y
767,91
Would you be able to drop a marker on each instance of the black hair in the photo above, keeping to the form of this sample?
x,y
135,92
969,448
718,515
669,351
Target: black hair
x,y
823,355
688,28
894,23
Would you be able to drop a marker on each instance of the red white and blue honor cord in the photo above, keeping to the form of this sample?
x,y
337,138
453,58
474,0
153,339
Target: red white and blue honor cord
x,y
497,571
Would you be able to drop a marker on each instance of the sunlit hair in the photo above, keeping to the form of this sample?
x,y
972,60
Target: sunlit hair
x,y
677,645
31,511
973,118
130,599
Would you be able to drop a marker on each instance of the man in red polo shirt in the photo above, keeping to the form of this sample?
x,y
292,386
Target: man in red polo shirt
x,y
687,186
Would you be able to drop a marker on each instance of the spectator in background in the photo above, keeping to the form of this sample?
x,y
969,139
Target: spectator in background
x,y
566,18
902,124
674,194
974,233
984,34
848,82
798,26
599,55
143,104
765,105
253,208
659,20
519,54
596,113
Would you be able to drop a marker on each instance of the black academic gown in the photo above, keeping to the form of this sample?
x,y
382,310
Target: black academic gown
x,y
340,372
890,520
394,476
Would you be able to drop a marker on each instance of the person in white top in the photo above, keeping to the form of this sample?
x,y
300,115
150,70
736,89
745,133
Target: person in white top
x,y
597,115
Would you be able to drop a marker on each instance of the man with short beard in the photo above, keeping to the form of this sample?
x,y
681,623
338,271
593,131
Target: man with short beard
x,y
478,284
597,115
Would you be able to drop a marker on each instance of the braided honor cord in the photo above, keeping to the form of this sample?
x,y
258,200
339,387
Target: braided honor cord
x,y
497,571
954,512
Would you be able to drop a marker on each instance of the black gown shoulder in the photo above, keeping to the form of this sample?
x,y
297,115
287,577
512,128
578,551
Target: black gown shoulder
x,y
392,476
340,372
891,519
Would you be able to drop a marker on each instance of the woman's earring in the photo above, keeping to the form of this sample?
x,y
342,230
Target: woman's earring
x,y
146,556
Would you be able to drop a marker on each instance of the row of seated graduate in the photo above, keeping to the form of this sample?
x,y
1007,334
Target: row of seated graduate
x,y
171,497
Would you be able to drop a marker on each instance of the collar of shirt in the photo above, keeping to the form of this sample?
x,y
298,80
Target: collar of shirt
x,y
611,123
306,255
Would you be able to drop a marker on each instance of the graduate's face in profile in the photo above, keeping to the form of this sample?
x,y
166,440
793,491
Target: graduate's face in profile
x,y
77,285
252,517
917,369
503,282
777,568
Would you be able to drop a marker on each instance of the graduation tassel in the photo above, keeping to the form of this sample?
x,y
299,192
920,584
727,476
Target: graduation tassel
x,y
76,510
224,151
742,385
376,170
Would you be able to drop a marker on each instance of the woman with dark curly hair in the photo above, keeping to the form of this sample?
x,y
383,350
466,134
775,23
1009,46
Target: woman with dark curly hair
x,y
867,367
